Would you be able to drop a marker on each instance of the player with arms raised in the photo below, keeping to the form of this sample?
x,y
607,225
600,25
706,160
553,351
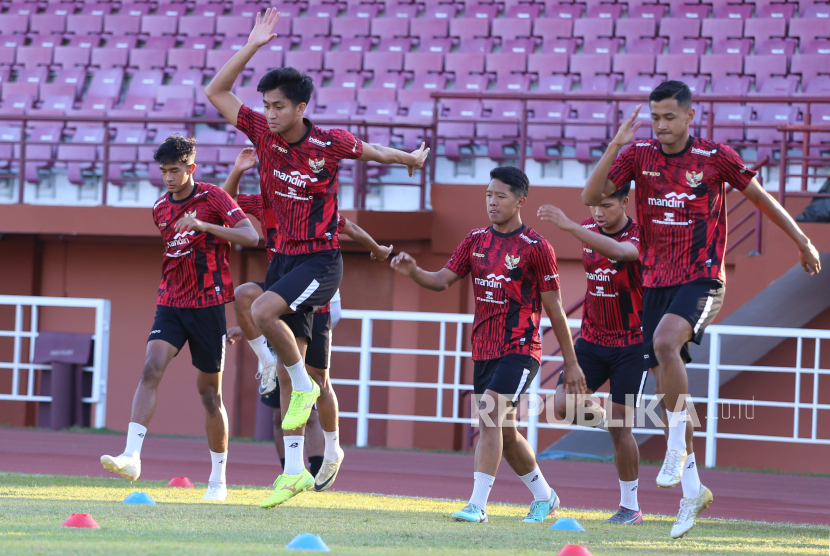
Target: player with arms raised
x,y
681,209
514,275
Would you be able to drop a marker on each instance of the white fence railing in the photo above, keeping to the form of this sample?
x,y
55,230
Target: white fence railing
x,y
454,387
20,363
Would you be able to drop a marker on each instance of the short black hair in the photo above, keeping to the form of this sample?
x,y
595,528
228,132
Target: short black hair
x,y
677,90
176,149
621,193
296,86
512,176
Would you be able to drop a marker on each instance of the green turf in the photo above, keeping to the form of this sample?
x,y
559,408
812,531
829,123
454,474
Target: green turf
x,y
33,506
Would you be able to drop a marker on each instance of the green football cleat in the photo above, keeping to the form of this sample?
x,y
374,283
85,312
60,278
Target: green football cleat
x,y
300,407
287,486
471,513
540,509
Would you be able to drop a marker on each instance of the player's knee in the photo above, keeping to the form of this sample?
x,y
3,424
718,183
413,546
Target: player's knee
x,y
244,297
211,399
152,373
665,346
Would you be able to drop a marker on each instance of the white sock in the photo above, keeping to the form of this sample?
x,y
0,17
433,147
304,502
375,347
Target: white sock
x,y
135,439
482,483
628,495
293,454
690,481
677,430
260,347
332,445
219,460
537,484
300,380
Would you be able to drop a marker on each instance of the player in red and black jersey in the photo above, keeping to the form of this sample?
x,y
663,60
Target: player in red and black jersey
x,y
197,222
611,345
316,354
514,275
299,184
681,208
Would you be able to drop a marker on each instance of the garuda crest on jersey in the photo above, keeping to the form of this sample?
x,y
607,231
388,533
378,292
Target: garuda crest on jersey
x,y
693,179
317,165
511,262
191,213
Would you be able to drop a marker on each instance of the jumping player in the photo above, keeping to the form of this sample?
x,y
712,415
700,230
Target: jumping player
x,y
681,210
611,344
299,184
514,275
316,356
197,221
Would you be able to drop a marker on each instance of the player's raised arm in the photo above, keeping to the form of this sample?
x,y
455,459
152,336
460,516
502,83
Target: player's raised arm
x,y
598,185
605,246
574,378
436,281
808,256
242,233
218,90
388,155
244,162
379,252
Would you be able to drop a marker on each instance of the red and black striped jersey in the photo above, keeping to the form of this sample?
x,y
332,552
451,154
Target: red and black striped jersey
x,y
252,204
299,181
681,207
509,272
613,303
195,272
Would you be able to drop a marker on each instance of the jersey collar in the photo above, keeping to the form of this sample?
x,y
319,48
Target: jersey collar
x,y
186,199
681,153
309,125
517,231
624,228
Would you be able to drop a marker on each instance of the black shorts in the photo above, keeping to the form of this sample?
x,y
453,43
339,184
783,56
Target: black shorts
x,y
203,329
698,302
509,375
623,366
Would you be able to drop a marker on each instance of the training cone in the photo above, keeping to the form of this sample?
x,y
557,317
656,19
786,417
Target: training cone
x,y
574,550
567,524
307,541
83,521
139,498
182,482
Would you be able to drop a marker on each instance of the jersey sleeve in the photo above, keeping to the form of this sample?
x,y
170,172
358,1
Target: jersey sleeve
x,y
251,204
341,223
459,263
225,207
544,261
345,145
633,236
622,170
731,168
251,123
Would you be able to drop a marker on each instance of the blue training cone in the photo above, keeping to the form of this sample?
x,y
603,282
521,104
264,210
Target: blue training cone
x,y
567,524
307,541
139,498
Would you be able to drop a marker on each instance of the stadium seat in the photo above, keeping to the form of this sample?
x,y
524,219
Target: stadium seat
x,y
544,65
730,114
348,27
564,11
72,56
734,11
648,11
11,24
524,11
463,64
588,65
726,36
675,28
48,24
633,65
549,29
761,67
159,25
382,62
675,66
84,24
587,28
765,29
770,115
809,66
429,28
783,12
632,29
97,9
588,137
197,25
121,25
720,65
511,28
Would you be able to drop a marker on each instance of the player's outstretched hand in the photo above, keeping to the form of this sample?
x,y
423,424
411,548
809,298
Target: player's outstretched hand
x,y
404,263
233,334
263,30
574,380
190,224
382,253
420,158
810,260
550,213
246,159
628,129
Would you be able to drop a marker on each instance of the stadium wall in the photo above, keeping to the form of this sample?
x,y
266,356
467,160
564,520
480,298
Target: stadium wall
x,y
115,253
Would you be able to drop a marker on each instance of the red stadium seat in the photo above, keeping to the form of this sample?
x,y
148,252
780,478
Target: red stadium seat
x,y
730,114
552,29
85,24
343,61
311,27
469,28
524,11
679,28
776,11
135,9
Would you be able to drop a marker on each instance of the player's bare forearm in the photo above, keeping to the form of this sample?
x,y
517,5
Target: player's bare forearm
x,y
435,281
598,186
231,185
243,233
552,302
362,237
386,155
605,246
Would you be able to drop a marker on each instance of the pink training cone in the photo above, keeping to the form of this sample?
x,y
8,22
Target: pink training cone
x,y
182,482
574,550
83,521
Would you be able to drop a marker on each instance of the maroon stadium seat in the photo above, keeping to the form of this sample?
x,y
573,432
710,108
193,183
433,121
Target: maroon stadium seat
x,y
85,41
606,11
311,27
730,114
343,61
511,28
13,23
32,56
463,64
121,25
762,67
648,11
145,83
679,28
776,11
170,9
733,11
234,25
197,25
85,24
809,66
147,59
183,59
547,64
524,11
383,62
687,11
482,11
571,12
731,85
632,65
764,29
72,56
552,29
634,28
587,28
720,65
335,94
69,77
48,24
588,65
363,11
389,28
98,9
347,27
429,28
441,11
602,46
419,63
674,66
201,43
135,9
403,11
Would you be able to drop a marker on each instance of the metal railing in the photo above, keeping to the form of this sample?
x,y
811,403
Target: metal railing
x,y
450,354
21,362
805,159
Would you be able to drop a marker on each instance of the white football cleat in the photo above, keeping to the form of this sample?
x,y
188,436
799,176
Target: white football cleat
x,y
689,510
328,472
672,469
267,376
216,492
128,467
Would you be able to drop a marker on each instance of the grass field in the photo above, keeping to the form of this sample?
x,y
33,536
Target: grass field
x,y
32,508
